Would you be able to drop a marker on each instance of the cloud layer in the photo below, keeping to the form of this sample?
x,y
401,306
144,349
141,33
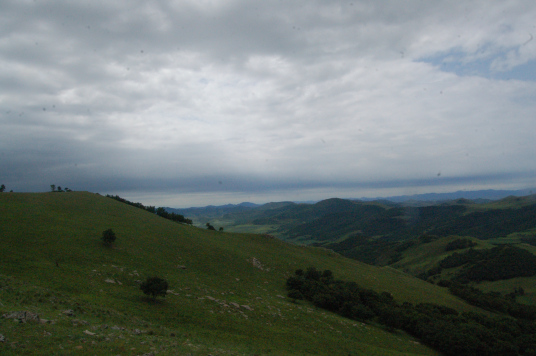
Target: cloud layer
x,y
173,100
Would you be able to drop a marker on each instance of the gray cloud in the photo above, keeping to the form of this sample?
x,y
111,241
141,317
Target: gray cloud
x,y
265,97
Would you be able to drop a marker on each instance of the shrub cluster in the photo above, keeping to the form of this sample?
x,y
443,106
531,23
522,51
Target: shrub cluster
x,y
438,326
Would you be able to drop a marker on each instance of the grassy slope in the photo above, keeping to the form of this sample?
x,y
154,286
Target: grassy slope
x,y
39,229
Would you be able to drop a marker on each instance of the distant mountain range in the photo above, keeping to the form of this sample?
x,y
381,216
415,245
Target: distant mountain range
x,y
477,196
213,211
489,194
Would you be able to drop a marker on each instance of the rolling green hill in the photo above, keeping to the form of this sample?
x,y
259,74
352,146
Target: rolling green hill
x,y
414,238
333,220
226,291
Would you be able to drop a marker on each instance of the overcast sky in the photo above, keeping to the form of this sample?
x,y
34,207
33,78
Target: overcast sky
x,y
197,102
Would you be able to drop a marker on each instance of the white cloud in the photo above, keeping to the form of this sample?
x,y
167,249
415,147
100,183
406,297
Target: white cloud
x,y
336,93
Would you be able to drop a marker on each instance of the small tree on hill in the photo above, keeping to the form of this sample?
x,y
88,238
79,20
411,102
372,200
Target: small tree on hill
x,y
108,237
2,188
154,286
210,227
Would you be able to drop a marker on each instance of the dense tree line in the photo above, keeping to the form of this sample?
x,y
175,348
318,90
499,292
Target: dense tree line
x,y
158,211
531,240
460,244
440,327
493,301
500,262
491,223
150,209
376,250
172,216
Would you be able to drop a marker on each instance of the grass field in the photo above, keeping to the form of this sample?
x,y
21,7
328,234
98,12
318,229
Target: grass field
x,y
227,290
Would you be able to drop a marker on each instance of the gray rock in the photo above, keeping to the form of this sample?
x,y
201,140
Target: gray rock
x,y
257,263
2,338
68,312
22,316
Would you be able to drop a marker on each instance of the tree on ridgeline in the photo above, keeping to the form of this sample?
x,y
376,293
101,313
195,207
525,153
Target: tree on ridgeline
x,y
2,188
210,227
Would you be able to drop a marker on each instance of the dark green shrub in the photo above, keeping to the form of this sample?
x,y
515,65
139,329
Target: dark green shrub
x,y
295,294
154,286
108,237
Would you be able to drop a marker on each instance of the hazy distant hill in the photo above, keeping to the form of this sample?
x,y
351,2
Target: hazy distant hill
x,y
475,195
244,213
212,211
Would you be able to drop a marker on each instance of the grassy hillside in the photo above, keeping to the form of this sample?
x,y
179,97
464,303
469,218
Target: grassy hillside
x,y
227,291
